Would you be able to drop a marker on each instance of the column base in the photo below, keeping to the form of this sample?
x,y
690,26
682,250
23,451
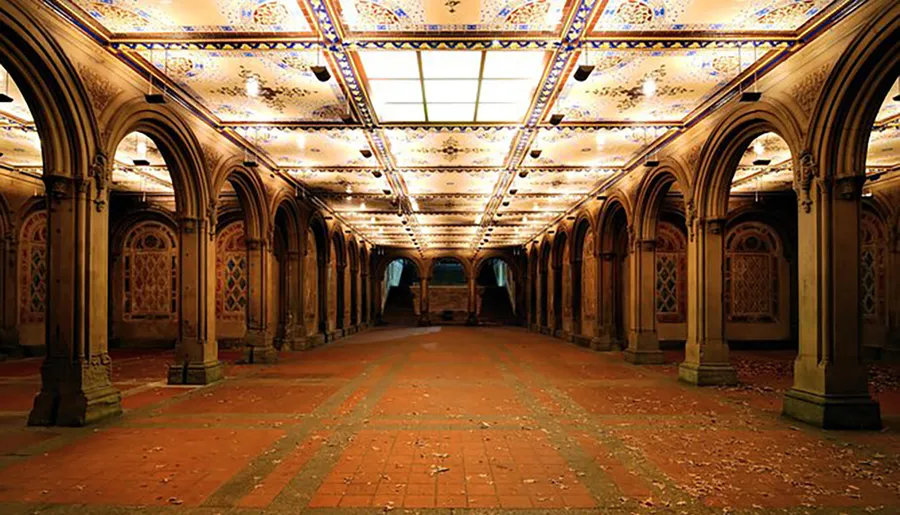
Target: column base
x,y
832,411
314,340
545,330
294,343
602,344
472,319
707,374
562,334
644,357
581,341
196,373
424,320
75,409
262,355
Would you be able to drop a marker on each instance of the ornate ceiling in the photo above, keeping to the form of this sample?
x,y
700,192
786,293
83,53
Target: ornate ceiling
x,y
433,129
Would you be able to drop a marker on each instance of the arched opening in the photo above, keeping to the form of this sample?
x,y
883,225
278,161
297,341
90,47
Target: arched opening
x,y
316,274
353,274
559,268
448,291
335,285
533,282
614,270
399,303
543,292
287,265
497,292
364,269
584,284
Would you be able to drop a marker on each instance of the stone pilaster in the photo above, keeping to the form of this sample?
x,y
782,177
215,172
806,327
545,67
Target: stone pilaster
x,y
9,335
260,343
605,338
706,350
76,388
196,351
830,380
472,302
643,345
424,313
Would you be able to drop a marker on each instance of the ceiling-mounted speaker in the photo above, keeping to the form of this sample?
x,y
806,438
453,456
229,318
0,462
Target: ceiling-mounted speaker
x,y
141,162
751,96
251,163
376,174
523,174
505,203
321,73
347,118
651,163
873,177
155,98
513,191
5,99
556,119
366,153
896,98
762,162
386,192
583,72
536,153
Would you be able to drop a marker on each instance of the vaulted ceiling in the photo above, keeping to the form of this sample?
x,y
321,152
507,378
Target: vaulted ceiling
x,y
433,129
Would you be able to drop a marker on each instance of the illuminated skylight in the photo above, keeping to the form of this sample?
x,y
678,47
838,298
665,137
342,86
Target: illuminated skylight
x,y
445,86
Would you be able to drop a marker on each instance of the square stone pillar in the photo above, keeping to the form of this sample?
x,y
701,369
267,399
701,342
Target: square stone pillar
x,y
260,342
76,388
830,380
472,302
643,345
196,351
293,330
706,359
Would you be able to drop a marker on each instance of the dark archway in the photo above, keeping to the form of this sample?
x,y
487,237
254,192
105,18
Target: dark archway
x,y
558,268
497,291
400,289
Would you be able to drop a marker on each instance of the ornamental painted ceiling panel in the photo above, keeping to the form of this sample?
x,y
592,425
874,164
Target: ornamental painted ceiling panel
x,y
359,204
457,147
706,15
562,182
435,17
766,153
442,203
139,166
253,85
594,148
541,203
17,110
20,146
341,181
419,182
196,16
890,108
884,146
649,85
314,148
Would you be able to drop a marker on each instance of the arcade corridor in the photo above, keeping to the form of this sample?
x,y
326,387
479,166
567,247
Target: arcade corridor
x,y
413,419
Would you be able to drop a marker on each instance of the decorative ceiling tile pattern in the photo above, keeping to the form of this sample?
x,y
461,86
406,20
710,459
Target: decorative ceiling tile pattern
x,y
459,16
649,85
196,16
254,85
456,147
706,15
424,131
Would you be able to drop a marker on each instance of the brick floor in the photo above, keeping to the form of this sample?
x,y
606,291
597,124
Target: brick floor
x,y
487,420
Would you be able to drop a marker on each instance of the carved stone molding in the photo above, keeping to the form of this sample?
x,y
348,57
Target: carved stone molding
x,y
57,186
849,187
715,225
210,157
100,90
188,225
645,245
101,171
806,92
803,179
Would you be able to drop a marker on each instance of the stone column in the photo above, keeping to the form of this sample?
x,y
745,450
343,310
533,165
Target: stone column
x,y
706,350
9,335
643,345
364,299
424,314
75,377
606,299
892,264
260,347
294,328
472,317
830,380
196,351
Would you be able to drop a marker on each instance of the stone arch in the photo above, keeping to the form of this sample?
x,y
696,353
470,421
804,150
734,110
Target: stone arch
x,y
875,276
544,268
753,250
463,262
337,264
723,149
494,254
287,245
180,150
365,268
584,277
614,235
316,247
651,194
353,267
251,195
861,78
52,89
560,266
533,279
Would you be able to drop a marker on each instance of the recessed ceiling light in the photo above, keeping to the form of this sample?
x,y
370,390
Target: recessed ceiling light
x,y
252,86
649,88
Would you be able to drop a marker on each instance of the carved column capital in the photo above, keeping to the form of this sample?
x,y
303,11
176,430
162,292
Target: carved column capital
x,y
849,187
645,245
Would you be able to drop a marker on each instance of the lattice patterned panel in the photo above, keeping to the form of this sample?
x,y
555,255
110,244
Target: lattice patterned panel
x,y
232,280
751,273
871,268
33,269
671,272
150,273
